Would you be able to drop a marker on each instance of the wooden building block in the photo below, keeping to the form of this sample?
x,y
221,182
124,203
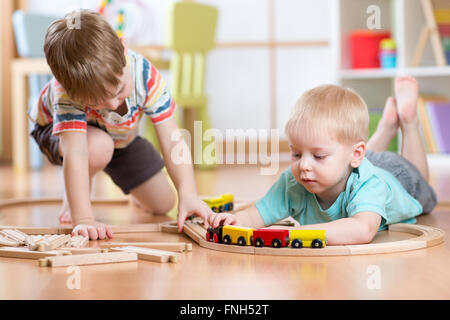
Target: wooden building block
x,y
88,259
169,246
7,242
14,235
34,241
24,253
169,227
78,242
54,242
84,250
151,254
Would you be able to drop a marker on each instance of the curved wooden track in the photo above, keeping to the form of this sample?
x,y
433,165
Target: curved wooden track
x,y
11,203
425,237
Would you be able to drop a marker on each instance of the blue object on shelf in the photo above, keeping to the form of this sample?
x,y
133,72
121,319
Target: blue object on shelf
x,y
447,55
388,60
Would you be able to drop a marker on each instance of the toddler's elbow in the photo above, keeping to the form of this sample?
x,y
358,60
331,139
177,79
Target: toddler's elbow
x,y
367,233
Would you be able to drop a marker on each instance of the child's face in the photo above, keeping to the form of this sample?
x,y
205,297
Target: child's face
x,y
321,164
122,91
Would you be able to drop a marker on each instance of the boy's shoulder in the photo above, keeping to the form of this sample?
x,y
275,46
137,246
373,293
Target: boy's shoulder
x,y
366,179
366,171
55,94
139,63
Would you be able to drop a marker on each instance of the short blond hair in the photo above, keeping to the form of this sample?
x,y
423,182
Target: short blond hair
x,y
340,111
87,58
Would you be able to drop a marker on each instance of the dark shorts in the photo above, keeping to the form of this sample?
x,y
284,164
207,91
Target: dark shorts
x,y
408,175
129,167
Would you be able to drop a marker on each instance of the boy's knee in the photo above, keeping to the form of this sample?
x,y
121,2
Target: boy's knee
x,y
166,204
100,148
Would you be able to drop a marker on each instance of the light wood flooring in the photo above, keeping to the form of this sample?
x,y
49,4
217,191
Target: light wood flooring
x,y
207,274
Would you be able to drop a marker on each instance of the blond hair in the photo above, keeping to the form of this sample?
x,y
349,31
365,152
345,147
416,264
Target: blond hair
x,y
338,111
85,60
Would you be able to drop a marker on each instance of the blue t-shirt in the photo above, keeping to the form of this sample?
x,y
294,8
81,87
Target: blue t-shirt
x,y
368,188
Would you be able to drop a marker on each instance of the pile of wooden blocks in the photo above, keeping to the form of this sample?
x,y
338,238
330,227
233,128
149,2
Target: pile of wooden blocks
x,y
16,238
60,250
17,244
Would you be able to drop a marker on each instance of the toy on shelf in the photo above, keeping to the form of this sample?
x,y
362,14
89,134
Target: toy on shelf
x,y
222,203
275,238
120,23
129,18
365,48
103,6
388,53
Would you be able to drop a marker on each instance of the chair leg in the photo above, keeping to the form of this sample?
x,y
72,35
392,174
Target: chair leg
x,y
209,161
201,159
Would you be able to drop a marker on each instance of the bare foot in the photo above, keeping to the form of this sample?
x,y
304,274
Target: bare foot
x,y
64,214
390,118
406,94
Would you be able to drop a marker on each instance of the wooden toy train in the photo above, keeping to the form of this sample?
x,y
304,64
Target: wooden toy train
x,y
275,238
222,203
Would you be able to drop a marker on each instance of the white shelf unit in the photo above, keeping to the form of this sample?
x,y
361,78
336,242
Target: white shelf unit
x,y
404,18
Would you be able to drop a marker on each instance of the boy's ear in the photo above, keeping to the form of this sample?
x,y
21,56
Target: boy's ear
x,y
358,153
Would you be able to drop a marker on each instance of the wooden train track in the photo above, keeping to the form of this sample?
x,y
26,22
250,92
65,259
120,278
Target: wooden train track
x,y
424,237
20,202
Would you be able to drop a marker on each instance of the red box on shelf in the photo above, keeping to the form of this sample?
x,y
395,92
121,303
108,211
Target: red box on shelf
x,y
365,48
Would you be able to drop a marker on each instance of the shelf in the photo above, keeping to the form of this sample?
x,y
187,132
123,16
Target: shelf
x,y
392,73
438,160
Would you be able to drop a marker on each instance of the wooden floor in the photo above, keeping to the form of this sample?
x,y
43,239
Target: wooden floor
x,y
207,274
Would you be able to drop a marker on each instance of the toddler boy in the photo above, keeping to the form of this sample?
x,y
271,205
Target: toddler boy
x,y
334,183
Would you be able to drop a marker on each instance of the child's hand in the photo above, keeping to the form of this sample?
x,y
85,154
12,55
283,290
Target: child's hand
x,y
93,229
191,205
222,219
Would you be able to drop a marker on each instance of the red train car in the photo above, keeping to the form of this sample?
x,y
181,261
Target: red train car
x,y
275,238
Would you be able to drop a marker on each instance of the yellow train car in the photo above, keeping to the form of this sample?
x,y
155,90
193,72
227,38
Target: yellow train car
x,y
222,203
307,238
237,235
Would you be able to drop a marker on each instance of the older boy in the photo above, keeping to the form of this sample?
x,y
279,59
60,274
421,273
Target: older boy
x,y
333,183
87,121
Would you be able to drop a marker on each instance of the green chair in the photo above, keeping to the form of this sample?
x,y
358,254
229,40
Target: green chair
x,y
191,34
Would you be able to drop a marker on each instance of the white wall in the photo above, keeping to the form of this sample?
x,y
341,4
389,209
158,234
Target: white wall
x,y
237,79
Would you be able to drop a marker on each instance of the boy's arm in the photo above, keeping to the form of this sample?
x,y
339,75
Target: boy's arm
x,y
181,171
358,229
249,217
77,183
